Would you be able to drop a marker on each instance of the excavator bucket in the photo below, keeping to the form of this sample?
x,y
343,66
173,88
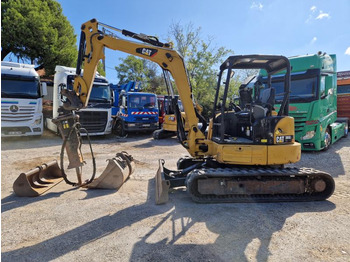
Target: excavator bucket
x,y
38,180
162,185
117,171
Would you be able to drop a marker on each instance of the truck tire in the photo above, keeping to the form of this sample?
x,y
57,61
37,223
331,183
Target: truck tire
x,y
119,129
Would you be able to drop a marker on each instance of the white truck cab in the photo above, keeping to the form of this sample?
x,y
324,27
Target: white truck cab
x,y
96,117
21,100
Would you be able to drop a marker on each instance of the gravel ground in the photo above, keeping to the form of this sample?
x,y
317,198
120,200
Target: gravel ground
x,y
68,224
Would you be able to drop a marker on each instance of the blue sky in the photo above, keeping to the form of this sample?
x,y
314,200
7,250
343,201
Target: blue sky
x,y
283,27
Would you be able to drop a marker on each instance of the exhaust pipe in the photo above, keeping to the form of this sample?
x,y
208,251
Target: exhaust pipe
x,y
38,180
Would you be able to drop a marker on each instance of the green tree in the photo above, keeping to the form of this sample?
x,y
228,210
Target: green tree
x,y
132,68
202,59
38,31
100,69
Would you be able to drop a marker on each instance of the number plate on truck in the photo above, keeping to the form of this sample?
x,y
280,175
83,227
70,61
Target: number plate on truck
x,y
146,125
15,133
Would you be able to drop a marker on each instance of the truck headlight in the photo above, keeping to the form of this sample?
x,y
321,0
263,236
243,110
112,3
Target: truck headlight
x,y
308,135
38,121
131,125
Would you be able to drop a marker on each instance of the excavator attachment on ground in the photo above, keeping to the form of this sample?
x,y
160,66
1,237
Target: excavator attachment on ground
x,y
41,179
38,180
116,173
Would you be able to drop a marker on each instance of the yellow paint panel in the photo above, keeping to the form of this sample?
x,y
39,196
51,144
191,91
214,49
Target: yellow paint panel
x,y
284,154
242,154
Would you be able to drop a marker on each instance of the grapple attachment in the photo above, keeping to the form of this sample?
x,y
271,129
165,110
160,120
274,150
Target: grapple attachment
x,y
38,180
117,171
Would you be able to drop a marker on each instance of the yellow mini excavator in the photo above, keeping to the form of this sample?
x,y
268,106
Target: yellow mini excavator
x,y
242,156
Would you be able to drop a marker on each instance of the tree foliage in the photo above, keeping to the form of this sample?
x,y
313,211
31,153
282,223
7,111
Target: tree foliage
x,y
202,59
132,68
100,69
38,31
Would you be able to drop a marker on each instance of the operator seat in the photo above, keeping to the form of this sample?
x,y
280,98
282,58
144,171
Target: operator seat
x,y
245,97
264,105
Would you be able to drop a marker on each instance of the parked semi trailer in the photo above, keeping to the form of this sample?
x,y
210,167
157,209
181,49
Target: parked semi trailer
x,y
21,100
343,98
313,100
96,117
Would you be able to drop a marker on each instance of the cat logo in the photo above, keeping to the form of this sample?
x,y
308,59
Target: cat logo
x,y
147,51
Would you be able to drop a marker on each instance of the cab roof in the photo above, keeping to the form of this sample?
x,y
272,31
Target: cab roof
x,y
271,63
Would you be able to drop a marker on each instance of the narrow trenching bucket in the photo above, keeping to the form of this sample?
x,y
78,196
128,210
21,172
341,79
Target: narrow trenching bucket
x,y
38,180
118,169
162,185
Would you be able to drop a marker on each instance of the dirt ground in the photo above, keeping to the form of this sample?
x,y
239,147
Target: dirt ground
x,y
67,224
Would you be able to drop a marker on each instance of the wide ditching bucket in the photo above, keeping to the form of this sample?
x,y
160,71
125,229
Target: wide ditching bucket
x,y
118,169
38,180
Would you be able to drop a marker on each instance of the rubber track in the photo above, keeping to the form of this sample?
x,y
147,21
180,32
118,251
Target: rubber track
x,y
307,174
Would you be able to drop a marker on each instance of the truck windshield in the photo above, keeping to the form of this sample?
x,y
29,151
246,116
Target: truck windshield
x,y
143,101
100,93
20,87
303,87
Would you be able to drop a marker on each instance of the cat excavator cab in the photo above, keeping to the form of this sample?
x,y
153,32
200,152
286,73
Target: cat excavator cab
x,y
242,156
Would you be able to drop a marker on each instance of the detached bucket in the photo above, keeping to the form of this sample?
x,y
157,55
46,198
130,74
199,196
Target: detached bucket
x,y
162,185
117,171
38,180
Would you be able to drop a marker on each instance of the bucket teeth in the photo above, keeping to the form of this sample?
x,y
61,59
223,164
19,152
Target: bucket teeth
x,y
38,180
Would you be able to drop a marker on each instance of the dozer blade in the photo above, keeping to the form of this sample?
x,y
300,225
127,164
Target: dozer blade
x,y
117,171
162,185
38,180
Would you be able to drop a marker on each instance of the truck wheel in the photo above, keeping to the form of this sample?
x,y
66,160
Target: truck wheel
x,y
156,134
119,130
327,139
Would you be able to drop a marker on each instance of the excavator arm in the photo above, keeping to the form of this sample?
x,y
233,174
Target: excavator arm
x,y
91,51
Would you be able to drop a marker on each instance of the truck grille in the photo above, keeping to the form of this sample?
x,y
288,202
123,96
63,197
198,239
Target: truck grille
x,y
24,113
145,119
93,122
299,120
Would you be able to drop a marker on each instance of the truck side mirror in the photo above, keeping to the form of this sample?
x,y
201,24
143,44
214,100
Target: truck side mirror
x,y
60,87
43,89
329,85
124,101
112,97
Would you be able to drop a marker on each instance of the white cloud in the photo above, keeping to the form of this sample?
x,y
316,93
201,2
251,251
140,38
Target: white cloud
x,y
313,40
313,15
256,5
347,51
322,15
